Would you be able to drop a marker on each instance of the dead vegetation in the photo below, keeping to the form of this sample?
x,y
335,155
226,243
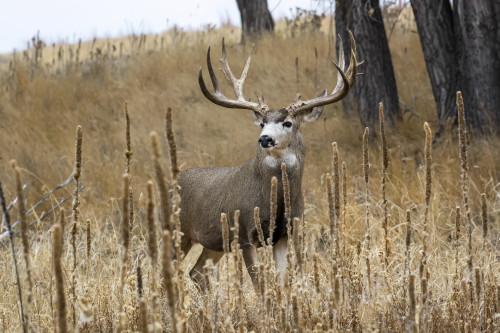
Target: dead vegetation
x,y
395,237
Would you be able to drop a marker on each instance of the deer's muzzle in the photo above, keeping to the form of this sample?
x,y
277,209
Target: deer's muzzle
x,y
266,141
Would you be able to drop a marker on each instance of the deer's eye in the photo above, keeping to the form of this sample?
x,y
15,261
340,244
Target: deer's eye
x,y
287,124
261,125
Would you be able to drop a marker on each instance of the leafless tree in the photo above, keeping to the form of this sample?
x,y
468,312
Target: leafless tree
x,y
255,18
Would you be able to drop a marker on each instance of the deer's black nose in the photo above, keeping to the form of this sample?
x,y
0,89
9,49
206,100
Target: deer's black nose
x,y
266,141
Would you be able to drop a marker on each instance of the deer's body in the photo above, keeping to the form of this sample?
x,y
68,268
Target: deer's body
x,y
208,192
229,189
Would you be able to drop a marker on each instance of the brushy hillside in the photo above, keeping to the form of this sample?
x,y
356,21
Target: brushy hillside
x,y
368,282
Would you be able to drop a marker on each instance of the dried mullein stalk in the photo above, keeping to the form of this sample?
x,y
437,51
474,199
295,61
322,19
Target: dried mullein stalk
x,y
344,205
336,181
57,249
143,313
316,272
162,185
456,239
274,208
260,233
336,195
167,276
295,310
125,235
143,316
89,240
125,227
366,176
286,192
464,165
412,311
225,242
128,152
385,164
331,208
225,232
76,214
484,217
152,239
152,251
477,276
172,145
238,273
407,250
296,245
428,184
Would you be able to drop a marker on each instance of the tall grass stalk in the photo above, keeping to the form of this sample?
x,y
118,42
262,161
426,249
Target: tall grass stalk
x,y
24,236
22,317
366,177
407,251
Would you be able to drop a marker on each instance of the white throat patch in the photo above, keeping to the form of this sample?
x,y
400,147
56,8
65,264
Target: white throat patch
x,y
287,157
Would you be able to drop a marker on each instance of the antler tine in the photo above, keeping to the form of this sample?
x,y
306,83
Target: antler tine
x,y
237,83
340,79
345,79
225,65
218,97
213,78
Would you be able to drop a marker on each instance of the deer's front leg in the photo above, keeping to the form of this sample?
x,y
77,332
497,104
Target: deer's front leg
x,y
196,272
279,253
250,257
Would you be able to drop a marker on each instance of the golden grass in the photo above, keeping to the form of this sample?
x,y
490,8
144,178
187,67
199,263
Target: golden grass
x,y
359,286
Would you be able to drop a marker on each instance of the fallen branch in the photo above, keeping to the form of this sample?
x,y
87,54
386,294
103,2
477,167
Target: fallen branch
x,y
45,197
9,207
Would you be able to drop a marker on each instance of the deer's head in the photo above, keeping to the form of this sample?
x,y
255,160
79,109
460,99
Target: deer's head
x,y
279,126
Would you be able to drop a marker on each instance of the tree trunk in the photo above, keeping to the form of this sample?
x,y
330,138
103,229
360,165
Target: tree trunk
x,y
343,18
434,20
378,84
255,18
479,64
462,52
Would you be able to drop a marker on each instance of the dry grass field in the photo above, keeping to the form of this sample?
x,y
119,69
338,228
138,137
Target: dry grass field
x,y
425,259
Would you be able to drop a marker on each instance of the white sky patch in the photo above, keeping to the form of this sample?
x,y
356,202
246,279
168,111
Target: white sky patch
x,y
70,20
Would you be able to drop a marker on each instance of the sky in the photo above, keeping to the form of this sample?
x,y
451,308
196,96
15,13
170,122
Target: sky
x,y
70,20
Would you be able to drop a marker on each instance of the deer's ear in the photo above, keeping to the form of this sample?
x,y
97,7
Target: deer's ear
x,y
312,114
257,118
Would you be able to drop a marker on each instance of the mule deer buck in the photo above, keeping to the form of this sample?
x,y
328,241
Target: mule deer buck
x,y
208,192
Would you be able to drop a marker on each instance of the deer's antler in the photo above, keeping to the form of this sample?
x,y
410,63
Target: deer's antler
x,y
345,79
218,97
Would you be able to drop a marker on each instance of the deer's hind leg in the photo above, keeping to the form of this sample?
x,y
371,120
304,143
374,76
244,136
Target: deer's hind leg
x,y
196,272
